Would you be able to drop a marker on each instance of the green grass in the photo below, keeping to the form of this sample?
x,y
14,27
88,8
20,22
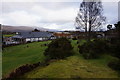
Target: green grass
x,y
8,35
72,67
75,67
15,56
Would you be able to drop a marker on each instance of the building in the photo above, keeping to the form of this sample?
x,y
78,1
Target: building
x,y
24,37
84,35
62,34
7,41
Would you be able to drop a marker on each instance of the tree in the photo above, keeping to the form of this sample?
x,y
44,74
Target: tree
x,y
90,16
117,26
115,48
59,49
36,30
109,27
93,49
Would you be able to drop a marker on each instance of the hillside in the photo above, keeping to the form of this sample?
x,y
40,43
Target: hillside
x,y
75,67
16,56
72,67
16,28
22,28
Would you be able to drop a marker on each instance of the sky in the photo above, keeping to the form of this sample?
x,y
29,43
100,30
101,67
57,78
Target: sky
x,y
50,14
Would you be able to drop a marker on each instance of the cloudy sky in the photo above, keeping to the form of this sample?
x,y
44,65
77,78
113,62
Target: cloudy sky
x,y
51,14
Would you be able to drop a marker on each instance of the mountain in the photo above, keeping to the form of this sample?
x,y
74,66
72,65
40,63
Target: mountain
x,y
23,28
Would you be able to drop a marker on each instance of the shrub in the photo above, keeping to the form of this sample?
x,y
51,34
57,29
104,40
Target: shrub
x,y
93,49
22,70
115,50
77,42
101,45
114,64
88,51
74,38
28,41
59,48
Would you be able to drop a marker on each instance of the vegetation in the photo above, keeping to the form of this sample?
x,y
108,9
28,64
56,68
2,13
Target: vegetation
x,y
75,67
36,30
71,67
19,55
8,35
59,49
63,58
115,49
90,17
93,49
117,26
116,45
114,64
109,27
74,38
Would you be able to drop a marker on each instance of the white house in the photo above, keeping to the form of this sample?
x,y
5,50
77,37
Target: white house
x,y
24,37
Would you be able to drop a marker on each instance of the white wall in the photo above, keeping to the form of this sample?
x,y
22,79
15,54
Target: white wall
x,y
53,38
27,39
32,39
37,39
40,39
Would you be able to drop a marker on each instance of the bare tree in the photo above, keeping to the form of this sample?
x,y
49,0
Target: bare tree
x,y
90,16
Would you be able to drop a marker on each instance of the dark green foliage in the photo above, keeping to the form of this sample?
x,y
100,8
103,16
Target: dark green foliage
x,y
36,30
28,41
114,64
77,42
109,26
115,49
115,42
87,50
93,49
59,48
117,26
74,38
101,45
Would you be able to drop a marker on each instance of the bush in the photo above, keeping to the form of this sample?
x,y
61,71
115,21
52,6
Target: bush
x,y
93,49
28,41
101,46
74,38
59,49
22,70
115,50
77,42
114,64
88,51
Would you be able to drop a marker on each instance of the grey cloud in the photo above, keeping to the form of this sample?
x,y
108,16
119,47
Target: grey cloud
x,y
58,20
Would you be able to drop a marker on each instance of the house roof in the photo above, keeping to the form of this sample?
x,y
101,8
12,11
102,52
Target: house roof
x,y
62,34
33,35
17,36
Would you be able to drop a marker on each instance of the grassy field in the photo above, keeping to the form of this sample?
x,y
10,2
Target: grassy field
x,y
8,35
72,67
15,56
75,67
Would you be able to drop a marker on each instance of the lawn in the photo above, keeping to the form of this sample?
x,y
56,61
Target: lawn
x,y
72,67
8,35
15,56
75,67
